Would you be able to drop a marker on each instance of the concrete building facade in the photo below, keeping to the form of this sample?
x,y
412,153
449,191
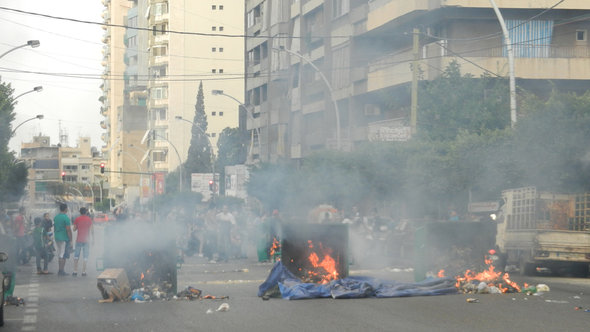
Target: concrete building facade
x,y
177,45
319,73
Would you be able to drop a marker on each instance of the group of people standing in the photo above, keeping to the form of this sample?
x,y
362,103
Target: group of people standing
x,y
43,237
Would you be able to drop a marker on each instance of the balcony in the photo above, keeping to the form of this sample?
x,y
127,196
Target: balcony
x,y
384,11
517,4
162,18
160,60
558,63
162,39
310,5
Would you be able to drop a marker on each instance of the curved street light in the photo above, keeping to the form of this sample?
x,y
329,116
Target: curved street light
x,y
177,154
32,43
221,93
328,85
35,89
38,116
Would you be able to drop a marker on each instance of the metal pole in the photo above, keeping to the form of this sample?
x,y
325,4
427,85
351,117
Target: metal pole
x,y
414,96
179,160
309,62
32,43
510,64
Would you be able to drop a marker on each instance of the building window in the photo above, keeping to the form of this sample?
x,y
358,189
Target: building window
x,y
221,71
580,35
212,113
160,134
159,156
220,113
159,114
213,7
220,7
221,49
159,93
213,49
213,71
213,28
220,28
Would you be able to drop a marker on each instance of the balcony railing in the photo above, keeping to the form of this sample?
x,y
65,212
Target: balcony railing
x,y
527,51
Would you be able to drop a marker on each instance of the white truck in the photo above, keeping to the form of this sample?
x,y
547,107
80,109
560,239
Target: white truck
x,y
542,229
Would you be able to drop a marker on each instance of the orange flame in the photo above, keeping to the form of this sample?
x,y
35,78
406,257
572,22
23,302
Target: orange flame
x,y
489,276
328,264
275,247
441,274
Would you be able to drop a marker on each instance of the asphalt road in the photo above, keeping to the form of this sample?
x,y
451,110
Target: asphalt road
x,y
71,304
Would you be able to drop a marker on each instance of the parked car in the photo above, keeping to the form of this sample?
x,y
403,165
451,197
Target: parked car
x,y
3,286
101,217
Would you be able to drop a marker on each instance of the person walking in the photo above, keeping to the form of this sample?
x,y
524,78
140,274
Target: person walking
x,y
63,236
40,241
83,227
18,228
225,222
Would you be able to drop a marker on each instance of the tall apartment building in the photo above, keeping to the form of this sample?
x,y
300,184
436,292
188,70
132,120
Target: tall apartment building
x,y
186,43
308,58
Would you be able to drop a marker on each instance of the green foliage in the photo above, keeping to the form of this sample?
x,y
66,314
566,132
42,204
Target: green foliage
x,y
551,142
465,148
231,147
13,175
452,103
199,153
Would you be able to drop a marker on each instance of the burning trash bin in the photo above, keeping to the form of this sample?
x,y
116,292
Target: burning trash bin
x,y
315,253
147,253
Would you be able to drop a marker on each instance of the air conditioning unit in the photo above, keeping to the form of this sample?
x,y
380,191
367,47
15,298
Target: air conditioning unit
x,y
371,110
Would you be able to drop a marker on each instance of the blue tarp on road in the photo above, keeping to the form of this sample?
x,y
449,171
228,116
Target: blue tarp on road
x,y
351,287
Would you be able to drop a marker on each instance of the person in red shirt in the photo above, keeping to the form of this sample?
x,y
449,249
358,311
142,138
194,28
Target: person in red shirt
x,y
83,225
18,228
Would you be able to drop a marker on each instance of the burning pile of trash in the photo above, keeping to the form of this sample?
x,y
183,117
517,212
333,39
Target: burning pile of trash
x,y
113,285
490,281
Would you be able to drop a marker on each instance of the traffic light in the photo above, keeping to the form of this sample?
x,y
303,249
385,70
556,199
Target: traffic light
x,y
101,168
63,176
211,185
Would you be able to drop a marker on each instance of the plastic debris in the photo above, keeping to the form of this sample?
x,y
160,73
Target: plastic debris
x,y
578,308
577,297
542,288
472,300
223,307
483,288
495,290
209,311
556,301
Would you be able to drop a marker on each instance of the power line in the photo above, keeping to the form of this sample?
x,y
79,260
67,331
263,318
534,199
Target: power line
x,y
496,33
203,34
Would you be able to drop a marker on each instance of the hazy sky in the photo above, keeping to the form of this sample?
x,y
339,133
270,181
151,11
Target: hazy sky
x,y
66,48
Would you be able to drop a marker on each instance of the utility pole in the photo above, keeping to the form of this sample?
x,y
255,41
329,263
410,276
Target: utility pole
x,y
414,106
510,63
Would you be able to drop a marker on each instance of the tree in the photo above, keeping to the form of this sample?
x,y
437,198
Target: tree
x,y
231,150
551,142
199,158
13,175
452,103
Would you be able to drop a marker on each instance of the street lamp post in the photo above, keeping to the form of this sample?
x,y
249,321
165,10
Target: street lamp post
x,y
328,85
510,64
221,93
179,159
39,116
35,89
32,43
